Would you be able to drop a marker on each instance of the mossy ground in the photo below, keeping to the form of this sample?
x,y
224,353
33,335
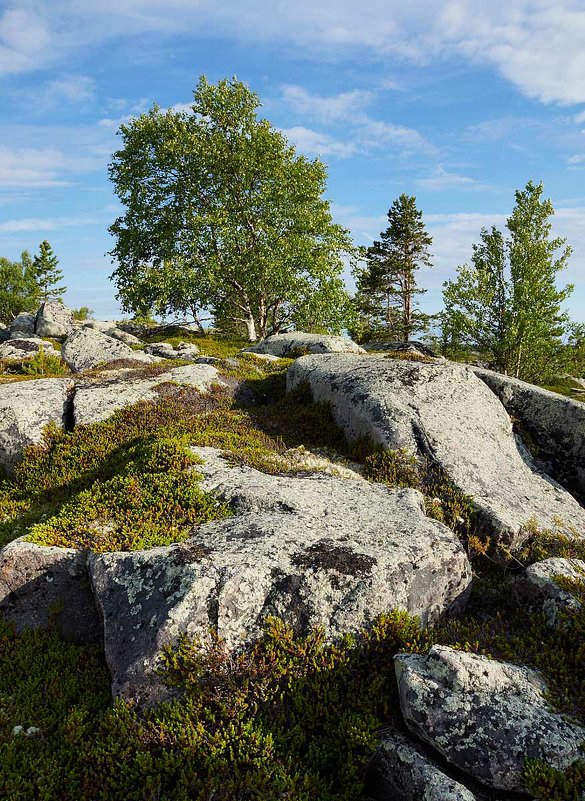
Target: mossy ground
x,y
289,718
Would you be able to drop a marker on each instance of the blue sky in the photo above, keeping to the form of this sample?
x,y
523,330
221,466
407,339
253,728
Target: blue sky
x,y
457,102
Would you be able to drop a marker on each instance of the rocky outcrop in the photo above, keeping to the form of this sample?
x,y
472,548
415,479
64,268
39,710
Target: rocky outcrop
x,y
164,350
25,409
98,399
401,347
46,586
401,772
53,319
298,343
315,551
26,348
446,412
484,717
555,426
123,336
89,348
23,325
537,587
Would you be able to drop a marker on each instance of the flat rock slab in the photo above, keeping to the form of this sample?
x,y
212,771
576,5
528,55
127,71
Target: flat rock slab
x,y
485,717
97,400
25,409
88,348
401,772
314,551
42,586
555,424
448,413
298,343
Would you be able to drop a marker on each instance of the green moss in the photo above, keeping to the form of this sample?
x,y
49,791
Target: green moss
x,y
208,346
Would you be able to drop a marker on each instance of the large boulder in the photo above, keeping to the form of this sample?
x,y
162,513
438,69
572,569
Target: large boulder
x,y
555,425
25,409
25,348
298,343
538,587
449,414
53,320
88,348
314,551
164,350
48,586
97,400
23,325
483,716
123,336
401,772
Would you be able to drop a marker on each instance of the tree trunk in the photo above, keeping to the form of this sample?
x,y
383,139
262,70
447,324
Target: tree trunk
x,y
251,326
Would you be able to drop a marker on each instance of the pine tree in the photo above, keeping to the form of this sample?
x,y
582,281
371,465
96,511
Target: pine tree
x,y
46,274
506,303
387,287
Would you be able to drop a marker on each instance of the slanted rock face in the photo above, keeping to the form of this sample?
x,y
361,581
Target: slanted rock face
x,y
555,424
25,409
315,551
483,716
87,348
45,585
538,588
53,320
293,344
95,401
402,773
445,411
25,348
23,325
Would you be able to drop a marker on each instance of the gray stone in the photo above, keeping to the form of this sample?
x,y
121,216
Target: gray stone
x,y
448,413
314,551
411,346
48,586
89,348
485,717
123,336
537,586
54,320
97,400
401,772
100,325
25,348
556,425
207,360
164,350
294,344
23,323
26,407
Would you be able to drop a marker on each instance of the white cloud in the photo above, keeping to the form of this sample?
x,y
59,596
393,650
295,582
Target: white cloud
x,y
314,143
580,118
578,158
441,180
535,44
71,89
345,106
28,167
348,108
50,223
24,41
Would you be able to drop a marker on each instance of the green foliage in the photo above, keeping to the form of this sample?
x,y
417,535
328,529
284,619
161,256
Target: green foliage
x,y
548,784
83,313
386,285
44,364
506,302
289,717
46,274
222,214
18,289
